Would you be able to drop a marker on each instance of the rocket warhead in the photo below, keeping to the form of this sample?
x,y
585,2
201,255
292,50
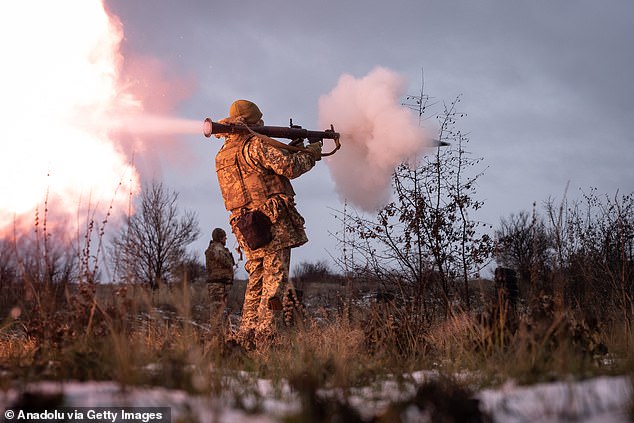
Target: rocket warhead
x,y
438,143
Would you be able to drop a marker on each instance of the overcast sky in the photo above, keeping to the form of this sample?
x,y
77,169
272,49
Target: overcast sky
x,y
546,86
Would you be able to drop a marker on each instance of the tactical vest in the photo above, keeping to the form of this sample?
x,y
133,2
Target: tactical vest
x,y
243,184
219,263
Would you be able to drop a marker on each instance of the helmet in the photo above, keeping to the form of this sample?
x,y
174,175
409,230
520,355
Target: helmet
x,y
218,234
246,109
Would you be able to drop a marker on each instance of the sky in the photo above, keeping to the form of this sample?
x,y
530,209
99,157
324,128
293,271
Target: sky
x,y
546,88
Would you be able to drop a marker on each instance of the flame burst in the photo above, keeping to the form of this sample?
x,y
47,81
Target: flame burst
x,y
60,79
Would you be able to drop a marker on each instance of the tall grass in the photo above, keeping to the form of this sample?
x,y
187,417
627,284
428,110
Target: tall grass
x,y
124,327
57,321
136,335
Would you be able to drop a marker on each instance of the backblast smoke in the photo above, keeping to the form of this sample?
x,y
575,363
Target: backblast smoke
x,y
377,134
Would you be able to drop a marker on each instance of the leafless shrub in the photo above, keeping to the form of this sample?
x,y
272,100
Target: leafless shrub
x,y
425,237
522,242
581,253
151,246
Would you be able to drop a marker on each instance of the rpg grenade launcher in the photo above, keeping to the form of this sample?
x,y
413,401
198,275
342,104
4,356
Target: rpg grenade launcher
x,y
293,132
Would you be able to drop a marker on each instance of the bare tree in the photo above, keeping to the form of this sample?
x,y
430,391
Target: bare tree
x,y
151,247
318,271
426,237
522,242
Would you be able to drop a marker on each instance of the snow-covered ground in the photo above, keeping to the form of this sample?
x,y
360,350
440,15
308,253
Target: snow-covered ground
x,y
602,399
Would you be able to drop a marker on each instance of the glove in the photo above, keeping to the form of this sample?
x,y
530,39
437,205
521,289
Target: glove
x,y
314,148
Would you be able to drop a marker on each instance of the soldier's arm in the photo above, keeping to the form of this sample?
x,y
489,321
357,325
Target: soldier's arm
x,y
279,161
208,257
227,259
209,262
230,257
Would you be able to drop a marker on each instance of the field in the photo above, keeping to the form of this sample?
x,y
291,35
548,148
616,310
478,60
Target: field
x,y
352,354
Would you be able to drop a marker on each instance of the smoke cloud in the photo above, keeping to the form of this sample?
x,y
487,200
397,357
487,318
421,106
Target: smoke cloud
x,y
377,134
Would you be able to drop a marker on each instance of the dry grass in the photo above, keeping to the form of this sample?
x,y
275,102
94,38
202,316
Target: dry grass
x,y
164,337
137,336
132,333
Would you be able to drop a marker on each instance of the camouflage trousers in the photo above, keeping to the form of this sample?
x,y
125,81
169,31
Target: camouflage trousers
x,y
218,292
262,312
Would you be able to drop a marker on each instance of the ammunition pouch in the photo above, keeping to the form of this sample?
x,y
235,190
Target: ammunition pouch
x,y
255,228
275,304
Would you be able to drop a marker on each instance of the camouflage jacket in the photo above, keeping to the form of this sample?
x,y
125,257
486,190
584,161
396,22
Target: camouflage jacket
x,y
219,262
255,175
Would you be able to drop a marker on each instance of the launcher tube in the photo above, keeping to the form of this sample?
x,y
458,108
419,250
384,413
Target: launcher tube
x,y
292,133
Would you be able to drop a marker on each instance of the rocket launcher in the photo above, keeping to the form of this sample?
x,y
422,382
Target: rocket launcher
x,y
293,132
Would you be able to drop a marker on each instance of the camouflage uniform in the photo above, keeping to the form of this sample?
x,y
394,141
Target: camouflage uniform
x,y
219,263
254,175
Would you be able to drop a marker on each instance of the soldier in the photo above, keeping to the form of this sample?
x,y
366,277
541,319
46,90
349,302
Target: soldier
x,y
220,263
254,181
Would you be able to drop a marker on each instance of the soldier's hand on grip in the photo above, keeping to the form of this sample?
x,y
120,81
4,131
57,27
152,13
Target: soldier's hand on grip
x,y
314,148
